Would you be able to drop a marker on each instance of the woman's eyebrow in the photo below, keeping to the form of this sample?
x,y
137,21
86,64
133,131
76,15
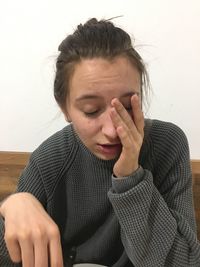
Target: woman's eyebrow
x,y
129,94
91,96
87,97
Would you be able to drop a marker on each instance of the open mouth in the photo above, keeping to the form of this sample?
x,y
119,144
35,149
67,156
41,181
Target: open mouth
x,y
110,149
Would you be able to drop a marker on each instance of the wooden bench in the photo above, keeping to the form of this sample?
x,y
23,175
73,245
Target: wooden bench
x,y
196,192
12,163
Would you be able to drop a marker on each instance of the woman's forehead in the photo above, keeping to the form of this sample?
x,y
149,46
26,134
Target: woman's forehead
x,y
97,76
101,66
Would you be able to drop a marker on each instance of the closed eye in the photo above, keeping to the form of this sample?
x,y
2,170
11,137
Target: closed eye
x,y
91,114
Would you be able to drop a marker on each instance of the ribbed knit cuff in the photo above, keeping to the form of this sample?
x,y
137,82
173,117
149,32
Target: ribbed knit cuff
x,y
123,184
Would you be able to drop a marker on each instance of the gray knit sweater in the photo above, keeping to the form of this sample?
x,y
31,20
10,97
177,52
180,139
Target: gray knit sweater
x,y
144,220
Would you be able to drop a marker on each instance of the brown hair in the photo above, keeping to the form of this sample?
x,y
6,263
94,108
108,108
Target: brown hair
x,y
94,39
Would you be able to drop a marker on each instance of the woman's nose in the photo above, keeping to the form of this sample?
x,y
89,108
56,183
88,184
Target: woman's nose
x,y
108,128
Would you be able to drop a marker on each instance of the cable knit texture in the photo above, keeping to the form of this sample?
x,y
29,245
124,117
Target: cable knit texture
x,y
143,220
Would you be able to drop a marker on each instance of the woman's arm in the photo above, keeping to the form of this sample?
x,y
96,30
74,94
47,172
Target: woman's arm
x,y
30,236
157,222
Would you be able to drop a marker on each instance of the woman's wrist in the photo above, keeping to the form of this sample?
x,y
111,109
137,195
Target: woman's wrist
x,y
3,204
126,174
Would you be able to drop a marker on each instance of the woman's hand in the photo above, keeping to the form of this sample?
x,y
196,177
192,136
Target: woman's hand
x,y
31,235
130,129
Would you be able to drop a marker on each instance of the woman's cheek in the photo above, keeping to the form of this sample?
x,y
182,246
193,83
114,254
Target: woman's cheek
x,y
87,128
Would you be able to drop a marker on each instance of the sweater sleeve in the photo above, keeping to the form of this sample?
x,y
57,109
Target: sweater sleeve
x,y
156,214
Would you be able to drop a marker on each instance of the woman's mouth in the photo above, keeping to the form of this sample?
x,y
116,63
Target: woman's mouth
x,y
110,149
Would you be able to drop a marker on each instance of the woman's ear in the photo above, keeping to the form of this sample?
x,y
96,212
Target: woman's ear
x,y
67,118
66,115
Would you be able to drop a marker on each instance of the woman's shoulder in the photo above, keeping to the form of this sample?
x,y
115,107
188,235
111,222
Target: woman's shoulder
x,y
56,148
165,145
165,137
164,130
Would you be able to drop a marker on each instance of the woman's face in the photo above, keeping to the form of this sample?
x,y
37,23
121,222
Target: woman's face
x,y
94,83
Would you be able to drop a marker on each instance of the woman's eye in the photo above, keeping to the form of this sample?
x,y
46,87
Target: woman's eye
x,y
91,114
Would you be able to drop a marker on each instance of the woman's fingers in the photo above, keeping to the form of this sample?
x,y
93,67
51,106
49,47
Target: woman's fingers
x,y
123,131
13,247
129,125
41,253
27,253
121,116
37,251
55,249
132,121
138,115
31,237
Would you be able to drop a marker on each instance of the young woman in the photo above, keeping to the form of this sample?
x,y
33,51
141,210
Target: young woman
x,y
111,188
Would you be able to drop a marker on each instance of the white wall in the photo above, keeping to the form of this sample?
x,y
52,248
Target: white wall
x,y
168,37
